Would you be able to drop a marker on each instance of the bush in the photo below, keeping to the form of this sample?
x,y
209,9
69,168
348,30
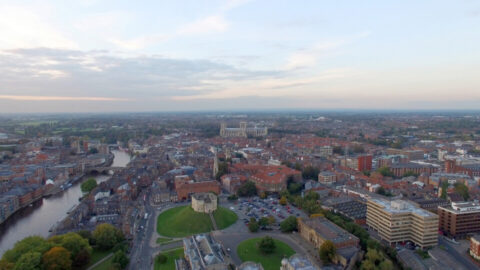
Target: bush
x,y
289,224
161,258
121,258
266,245
253,225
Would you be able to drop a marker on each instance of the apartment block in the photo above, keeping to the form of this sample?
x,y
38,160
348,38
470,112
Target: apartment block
x,y
459,219
398,221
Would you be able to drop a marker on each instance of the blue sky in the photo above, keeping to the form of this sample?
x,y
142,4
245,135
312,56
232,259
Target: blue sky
x,y
94,55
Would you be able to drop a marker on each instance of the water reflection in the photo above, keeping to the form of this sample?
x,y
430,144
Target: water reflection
x,y
42,215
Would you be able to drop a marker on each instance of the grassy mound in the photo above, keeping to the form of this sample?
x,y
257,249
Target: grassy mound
x,y
248,251
182,221
224,217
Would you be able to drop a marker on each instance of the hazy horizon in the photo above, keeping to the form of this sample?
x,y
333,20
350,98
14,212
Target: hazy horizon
x,y
238,55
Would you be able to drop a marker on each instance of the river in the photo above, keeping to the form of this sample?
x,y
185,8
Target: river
x,y
39,218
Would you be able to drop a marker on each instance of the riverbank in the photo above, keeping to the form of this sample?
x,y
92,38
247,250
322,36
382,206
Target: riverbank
x,y
45,213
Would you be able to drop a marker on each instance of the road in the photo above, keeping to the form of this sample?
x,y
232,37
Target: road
x,y
145,248
460,258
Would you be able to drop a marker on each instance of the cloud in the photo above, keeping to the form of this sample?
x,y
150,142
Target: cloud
x,y
60,73
309,57
22,27
207,25
138,42
57,98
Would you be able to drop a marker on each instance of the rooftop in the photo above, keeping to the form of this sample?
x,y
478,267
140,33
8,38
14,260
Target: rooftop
x,y
329,230
401,206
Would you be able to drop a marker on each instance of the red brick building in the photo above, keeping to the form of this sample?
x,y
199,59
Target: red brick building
x,y
185,188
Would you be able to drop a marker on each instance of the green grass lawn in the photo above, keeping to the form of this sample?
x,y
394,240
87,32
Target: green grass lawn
x,y
104,265
248,251
182,221
97,255
161,240
172,255
224,217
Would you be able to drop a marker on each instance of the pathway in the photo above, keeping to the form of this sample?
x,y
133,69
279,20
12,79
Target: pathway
x,y
100,261
215,228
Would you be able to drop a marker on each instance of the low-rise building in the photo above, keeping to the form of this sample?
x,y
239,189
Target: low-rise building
x,y
204,202
475,247
318,230
202,252
327,177
298,262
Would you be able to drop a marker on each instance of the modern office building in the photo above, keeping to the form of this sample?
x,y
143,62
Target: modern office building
x,y
398,221
459,219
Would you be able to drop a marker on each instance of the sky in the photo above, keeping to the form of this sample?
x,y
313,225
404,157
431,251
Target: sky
x,y
128,56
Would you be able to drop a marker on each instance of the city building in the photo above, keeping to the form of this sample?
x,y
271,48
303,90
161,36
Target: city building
x,y
327,177
473,170
410,154
250,266
201,252
242,131
459,219
398,221
231,182
185,188
475,247
360,162
318,230
298,262
274,178
204,202
400,169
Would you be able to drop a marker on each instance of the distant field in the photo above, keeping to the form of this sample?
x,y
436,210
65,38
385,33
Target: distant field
x,y
183,221
248,251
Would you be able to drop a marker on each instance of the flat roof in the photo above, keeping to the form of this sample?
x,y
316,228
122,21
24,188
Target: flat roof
x,y
401,206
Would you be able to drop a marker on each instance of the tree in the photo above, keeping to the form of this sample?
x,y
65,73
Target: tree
x,y
312,196
283,200
289,224
6,265
120,258
57,258
89,185
161,258
263,222
28,244
76,245
29,261
337,150
385,171
382,191
271,220
310,172
462,189
222,170
247,189
266,245
327,251
253,225
232,197
93,151
358,149
263,195
444,190
106,236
